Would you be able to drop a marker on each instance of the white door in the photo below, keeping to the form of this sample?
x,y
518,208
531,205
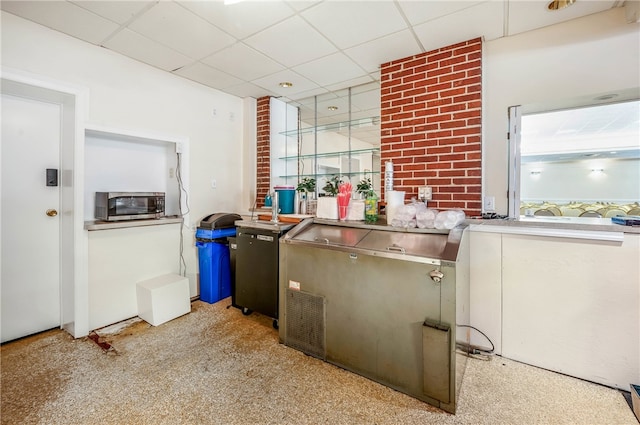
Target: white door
x,y
30,285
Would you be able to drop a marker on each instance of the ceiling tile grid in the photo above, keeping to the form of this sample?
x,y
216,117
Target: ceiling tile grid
x,y
246,48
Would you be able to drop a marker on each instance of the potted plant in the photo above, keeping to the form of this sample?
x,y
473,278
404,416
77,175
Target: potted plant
x,y
307,185
331,188
365,188
328,204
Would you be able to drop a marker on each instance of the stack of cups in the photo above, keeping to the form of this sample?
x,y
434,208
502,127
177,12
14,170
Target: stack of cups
x,y
388,178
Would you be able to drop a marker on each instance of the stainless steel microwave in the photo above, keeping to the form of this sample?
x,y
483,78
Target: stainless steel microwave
x,y
117,206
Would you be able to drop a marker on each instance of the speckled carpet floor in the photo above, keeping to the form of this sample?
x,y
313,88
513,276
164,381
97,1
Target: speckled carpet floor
x,y
216,366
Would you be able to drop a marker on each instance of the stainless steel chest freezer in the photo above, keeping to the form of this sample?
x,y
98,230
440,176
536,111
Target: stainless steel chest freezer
x,y
383,302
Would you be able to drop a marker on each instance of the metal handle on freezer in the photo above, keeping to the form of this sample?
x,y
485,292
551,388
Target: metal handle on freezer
x,y
325,240
396,248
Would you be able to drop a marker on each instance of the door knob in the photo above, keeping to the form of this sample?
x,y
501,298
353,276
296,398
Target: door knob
x,y
52,213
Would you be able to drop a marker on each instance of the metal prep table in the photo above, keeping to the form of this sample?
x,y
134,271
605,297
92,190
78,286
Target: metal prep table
x,y
256,266
379,301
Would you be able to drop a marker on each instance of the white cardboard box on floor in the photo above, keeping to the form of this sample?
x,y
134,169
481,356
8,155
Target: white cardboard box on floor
x,y
163,298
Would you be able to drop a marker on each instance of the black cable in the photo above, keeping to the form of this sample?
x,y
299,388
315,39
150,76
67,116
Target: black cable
x,y
183,263
484,335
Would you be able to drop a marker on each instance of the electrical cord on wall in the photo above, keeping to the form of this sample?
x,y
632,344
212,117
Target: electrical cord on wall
x,y
183,264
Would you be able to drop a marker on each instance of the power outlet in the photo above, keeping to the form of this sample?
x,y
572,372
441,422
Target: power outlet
x,y
214,184
489,203
424,193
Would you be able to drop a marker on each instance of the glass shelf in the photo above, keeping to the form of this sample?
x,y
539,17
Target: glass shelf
x,y
355,173
336,126
330,154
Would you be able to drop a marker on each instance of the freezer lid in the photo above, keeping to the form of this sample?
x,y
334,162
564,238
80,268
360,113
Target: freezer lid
x,y
414,244
331,235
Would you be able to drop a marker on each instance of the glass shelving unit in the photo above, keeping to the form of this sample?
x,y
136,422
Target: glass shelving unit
x,y
336,134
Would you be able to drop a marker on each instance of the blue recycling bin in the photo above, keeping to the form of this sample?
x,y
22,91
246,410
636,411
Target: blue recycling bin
x,y
214,263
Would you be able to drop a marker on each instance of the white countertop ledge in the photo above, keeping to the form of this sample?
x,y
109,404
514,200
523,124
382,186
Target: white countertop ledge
x,y
110,225
550,232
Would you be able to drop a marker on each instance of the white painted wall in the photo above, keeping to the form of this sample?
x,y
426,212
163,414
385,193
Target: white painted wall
x,y
575,181
129,95
588,56
116,165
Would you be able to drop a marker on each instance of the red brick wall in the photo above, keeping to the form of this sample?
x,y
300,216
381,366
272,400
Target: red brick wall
x,y
431,124
263,154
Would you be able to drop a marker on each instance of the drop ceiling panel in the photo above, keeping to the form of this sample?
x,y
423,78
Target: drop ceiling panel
x,y
243,62
351,83
301,5
305,94
64,17
528,15
116,11
271,83
240,19
255,44
483,20
208,76
178,28
329,69
247,90
393,46
291,42
138,47
418,12
348,24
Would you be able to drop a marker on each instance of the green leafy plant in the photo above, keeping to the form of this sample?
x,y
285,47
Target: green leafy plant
x,y
307,185
331,188
365,187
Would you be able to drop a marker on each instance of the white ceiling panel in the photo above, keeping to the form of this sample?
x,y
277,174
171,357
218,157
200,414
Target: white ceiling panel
x,y
291,42
305,94
64,17
240,19
208,76
329,69
178,28
529,15
483,20
271,83
136,46
247,90
243,62
351,83
418,12
394,46
247,48
347,23
301,5
116,11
